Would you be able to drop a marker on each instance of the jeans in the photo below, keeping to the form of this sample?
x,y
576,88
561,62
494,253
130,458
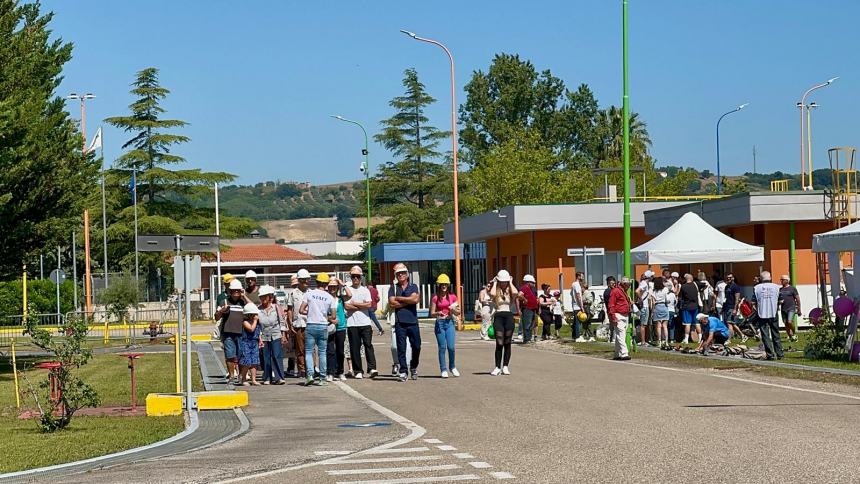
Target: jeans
x,y
770,337
620,332
394,358
445,338
316,336
361,336
410,333
336,354
527,321
273,361
372,314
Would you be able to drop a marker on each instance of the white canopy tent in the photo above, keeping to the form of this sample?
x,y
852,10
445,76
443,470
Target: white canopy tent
x,y
843,239
692,240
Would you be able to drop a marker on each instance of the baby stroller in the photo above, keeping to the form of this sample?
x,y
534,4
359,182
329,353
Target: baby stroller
x,y
747,319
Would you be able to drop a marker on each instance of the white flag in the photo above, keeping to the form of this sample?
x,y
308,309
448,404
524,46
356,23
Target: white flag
x,y
97,140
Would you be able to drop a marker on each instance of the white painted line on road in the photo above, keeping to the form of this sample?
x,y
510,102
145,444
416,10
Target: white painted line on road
x,y
340,461
333,452
387,470
502,475
408,480
433,441
446,447
398,450
463,455
480,465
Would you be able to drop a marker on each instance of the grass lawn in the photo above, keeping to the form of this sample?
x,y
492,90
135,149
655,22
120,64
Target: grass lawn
x,y
26,447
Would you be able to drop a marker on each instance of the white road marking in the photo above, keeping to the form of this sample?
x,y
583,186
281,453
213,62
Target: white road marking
x,y
433,441
480,465
409,480
386,470
333,452
463,455
335,462
398,450
446,447
502,475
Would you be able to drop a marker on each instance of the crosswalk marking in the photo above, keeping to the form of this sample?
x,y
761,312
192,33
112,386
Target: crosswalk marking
x,y
433,441
480,465
446,447
386,470
398,450
463,455
409,480
383,459
333,452
502,475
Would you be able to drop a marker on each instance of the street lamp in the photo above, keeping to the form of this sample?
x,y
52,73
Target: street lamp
x,y
365,168
809,108
719,179
801,105
457,276
83,98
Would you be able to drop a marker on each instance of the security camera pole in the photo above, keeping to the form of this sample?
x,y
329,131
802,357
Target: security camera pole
x,y
365,167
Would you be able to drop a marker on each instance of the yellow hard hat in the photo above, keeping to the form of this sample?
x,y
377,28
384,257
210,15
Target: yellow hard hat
x,y
443,279
582,316
323,277
226,278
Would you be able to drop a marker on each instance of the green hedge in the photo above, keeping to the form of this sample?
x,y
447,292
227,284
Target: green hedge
x,y
42,296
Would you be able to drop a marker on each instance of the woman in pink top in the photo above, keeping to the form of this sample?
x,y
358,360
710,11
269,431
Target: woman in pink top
x,y
443,307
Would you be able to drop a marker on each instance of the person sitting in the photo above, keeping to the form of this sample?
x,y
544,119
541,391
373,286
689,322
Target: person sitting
x,y
716,330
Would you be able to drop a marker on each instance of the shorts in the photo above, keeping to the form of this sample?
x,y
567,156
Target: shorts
x,y
688,316
727,315
644,318
787,317
230,344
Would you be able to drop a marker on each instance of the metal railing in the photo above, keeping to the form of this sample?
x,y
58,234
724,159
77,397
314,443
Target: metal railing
x,y
658,198
779,185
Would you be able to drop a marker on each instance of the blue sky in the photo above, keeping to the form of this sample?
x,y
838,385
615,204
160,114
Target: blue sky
x,y
258,79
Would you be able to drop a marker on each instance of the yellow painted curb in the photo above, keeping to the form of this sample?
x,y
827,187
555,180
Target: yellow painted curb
x,y
160,405
471,327
201,337
221,400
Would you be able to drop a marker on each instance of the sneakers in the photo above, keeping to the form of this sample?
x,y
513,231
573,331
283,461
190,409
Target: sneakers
x,y
444,374
322,383
455,372
744,338
686,340
359,376
591,340
414,374
496,371
581,340
622,358
402,377
505,370
329,378
373,373
265,382
309,382
279,382
394,370
342,377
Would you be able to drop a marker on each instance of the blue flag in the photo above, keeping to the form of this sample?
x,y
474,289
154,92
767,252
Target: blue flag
x,y
132,185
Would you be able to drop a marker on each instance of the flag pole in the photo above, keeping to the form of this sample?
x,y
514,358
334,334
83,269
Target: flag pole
x,y
136,257
218,234
104,210
88,288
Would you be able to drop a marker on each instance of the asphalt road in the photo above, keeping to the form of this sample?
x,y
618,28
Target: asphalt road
x,y
557,418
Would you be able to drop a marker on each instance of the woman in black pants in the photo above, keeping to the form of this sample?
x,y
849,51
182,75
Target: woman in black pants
x,y
504,296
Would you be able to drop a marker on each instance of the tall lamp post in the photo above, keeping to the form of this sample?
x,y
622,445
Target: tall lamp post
x,y
83,98
628,269
802,105
719,179
809,108
457,275
365,167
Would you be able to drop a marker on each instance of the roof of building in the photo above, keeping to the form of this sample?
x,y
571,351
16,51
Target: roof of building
x,y
421,251
260,252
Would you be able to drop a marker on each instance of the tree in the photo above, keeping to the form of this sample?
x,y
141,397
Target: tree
x,y
345,226
414,142
150,147
44,178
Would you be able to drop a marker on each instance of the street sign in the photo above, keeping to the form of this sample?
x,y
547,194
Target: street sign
x,y
187,243
193,272
58,276
583,251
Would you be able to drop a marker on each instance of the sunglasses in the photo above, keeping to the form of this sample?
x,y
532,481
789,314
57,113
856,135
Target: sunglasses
x,y
354,276
401,273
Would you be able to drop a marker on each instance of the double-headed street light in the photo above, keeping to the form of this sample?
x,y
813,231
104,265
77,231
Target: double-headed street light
x,y
457,275
719,179
365,168
802,105
83,98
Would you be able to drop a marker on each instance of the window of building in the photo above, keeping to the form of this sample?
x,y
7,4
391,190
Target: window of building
x,y
600,267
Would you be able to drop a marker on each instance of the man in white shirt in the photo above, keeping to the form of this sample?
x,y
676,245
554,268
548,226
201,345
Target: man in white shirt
x,y
576,304
320,308
643,294
766,301
358,325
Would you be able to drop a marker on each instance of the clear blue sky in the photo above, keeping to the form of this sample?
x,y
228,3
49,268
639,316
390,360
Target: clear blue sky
x,y
257,80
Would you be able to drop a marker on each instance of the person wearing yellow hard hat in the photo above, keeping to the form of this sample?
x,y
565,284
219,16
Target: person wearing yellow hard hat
x,y
321,310
219,302
444,307
403,298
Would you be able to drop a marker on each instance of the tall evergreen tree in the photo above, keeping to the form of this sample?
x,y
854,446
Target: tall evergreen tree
x,y
44,178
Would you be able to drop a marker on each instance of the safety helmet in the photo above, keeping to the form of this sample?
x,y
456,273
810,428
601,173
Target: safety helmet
x,y
582,316
226,278
701,317
235,284
303,274
250,308
334,281
266,290
356,271
528,278
250,275
443,279
503,276
400,267
323,278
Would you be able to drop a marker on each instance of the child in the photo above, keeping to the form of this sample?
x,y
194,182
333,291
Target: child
x,y
249,345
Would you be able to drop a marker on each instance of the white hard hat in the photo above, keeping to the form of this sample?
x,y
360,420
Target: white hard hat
x,y
356,271
250,308
250,275
701,316
234,285
649,273
675,274
528,278
503,276
303,274
400,267
266,290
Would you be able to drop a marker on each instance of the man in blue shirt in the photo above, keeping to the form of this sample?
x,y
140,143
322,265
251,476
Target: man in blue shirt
x,y
732,293
716,330
403,299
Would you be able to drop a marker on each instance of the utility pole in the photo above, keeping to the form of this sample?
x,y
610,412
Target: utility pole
x,y
754,171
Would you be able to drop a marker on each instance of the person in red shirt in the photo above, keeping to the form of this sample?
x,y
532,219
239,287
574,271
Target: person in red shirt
x,y
619,316
529,305
374,303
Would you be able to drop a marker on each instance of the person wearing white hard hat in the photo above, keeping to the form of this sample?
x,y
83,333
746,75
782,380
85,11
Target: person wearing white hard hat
x,y
249,344
230,315
251,287
273,326
358,324
338,355
528,307
504,296
403,298
297,322
644,301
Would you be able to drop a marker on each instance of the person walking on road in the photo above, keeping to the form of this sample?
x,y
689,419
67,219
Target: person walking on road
x,y
296,321
504,297
789,306
252,290
766,301
484,306
231,316
249,345
529,306
273,328
443,306
336,345
403,298
358,325
619,317
320,308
